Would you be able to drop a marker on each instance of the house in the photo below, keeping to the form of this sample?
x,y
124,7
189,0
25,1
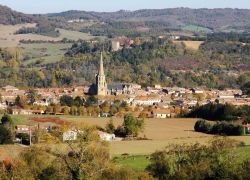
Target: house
x,y
197,91
38,112
3,105
247,128
161,113
146,101
43,102
10,88
106,136
22,129
20,111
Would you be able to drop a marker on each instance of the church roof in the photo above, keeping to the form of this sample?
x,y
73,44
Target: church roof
x,y
115,86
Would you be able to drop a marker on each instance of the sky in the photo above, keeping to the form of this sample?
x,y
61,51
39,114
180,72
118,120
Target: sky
x,y
50,6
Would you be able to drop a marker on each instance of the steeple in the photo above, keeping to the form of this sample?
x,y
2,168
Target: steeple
x,y
101,80
101,71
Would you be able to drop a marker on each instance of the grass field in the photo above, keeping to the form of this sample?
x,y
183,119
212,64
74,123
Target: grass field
x,y
135,162
195,28
140,162
44,53
194,45
8,38
160,132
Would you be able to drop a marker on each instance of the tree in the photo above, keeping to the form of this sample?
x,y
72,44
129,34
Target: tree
x,y
32,96
65,110
5,135
91,101
78,101
110,127
88,157
20,101
66,100
133,125
6,120
217,160
74,110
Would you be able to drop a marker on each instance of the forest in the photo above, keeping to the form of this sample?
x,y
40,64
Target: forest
x,y
149,61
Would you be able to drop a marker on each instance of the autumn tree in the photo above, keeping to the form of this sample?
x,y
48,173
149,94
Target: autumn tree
x,y
133,125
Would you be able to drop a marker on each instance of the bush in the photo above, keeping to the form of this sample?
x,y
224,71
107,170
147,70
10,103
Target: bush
x,y
5,135
221,128
224,128
6,119
202,126
110,127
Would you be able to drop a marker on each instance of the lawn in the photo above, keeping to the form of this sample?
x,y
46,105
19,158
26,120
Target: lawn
x,y
135,162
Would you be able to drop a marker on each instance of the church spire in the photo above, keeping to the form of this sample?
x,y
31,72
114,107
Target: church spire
x,y
101,71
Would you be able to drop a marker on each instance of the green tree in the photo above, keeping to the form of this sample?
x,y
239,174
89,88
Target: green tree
x,y
5,135
133,125
66,100
32,96
91,101
6,120
78,101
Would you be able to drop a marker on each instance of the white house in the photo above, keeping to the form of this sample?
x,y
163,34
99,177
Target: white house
x,y
161,113
106,136
69,136
146,101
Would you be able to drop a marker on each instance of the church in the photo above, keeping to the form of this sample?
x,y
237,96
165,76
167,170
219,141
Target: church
x,y
103,89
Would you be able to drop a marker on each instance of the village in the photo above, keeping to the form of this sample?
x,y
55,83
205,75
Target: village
x,y
165,102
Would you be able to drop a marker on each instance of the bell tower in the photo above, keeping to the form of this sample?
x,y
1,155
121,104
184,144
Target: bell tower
x,y
101,80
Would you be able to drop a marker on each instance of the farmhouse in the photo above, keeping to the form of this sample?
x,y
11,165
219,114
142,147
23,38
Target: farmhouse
x,y
161,113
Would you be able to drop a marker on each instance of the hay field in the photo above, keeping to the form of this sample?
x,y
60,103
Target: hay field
x,y
75,35
160,132
8,38
44,53
193,45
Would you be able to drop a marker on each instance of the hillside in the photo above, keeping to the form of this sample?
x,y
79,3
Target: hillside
x,y
214,19
10,17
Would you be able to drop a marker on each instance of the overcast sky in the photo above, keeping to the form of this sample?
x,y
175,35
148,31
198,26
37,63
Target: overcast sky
x,y
49,6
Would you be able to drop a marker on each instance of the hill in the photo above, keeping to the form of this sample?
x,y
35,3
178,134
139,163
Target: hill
x,y
8,16
180,18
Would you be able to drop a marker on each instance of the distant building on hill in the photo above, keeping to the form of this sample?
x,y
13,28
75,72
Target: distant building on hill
x,y
115,45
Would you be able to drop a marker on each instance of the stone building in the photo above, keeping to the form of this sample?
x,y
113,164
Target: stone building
x,y
101,85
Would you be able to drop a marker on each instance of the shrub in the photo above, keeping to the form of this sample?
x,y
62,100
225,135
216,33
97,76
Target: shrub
x,y
6,119
5,135
110,127
221,128
202,126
